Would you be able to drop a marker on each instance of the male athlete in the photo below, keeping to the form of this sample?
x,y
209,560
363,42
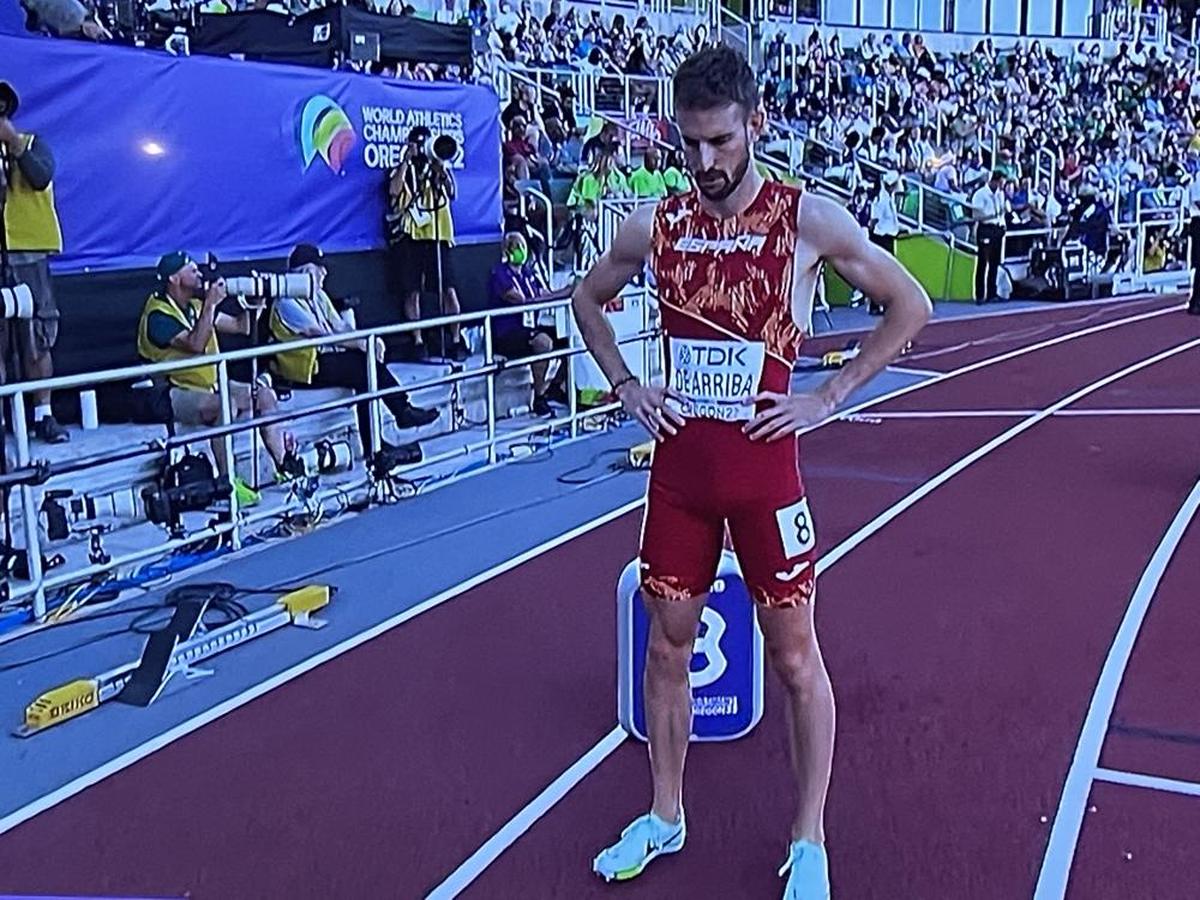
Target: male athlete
x,y
735,262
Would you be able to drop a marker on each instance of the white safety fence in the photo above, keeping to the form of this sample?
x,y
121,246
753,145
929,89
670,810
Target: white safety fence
x,y
30,478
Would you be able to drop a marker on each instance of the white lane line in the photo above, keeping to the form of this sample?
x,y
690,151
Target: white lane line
x,y
998,441
474,865
1148,411
1150,782
189,725
922,373
875,417
523,821
1131,299
1064,836
994,360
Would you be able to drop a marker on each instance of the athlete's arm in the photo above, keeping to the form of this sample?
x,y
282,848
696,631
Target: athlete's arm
x,y
612,271
841,242
620,263
838,239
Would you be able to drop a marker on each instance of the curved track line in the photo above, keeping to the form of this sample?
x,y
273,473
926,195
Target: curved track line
x,y
1064,836
1131,299
474,865
186,727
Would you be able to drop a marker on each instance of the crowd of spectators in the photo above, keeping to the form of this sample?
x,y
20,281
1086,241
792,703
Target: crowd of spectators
x,y
1109,134
1113,134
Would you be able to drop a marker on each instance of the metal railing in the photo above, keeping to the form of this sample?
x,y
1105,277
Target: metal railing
x,y
635,93
1018,237
794,11
932,211
733,30
1167,209
1048,173
1121,23
30,476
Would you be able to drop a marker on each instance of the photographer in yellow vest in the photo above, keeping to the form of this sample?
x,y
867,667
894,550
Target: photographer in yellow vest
x,y
420,191
340,365
32,233
180,321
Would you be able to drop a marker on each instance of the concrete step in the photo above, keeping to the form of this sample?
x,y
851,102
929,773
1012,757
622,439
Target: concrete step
x,y
462,407
132,533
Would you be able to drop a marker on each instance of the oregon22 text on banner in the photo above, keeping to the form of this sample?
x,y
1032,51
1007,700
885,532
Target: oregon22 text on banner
x,y
727,660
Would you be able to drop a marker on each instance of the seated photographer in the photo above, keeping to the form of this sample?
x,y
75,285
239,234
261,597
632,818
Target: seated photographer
x,y
181,320
343,365
515,281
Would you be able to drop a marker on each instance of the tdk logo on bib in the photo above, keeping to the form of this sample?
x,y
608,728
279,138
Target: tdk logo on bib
x,y
716,377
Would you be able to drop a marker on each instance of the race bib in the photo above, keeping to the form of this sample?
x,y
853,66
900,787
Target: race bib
x,y
714,378
796,529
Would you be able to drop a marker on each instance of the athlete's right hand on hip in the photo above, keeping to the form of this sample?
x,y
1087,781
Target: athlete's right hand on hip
x,y
648,404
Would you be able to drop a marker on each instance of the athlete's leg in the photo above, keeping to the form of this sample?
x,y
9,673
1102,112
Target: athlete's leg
x,y
791,644
776,546
679,556
681,547
668,695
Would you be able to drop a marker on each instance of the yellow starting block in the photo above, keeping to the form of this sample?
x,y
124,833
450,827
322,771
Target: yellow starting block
x,y
73,699
641,454
835,359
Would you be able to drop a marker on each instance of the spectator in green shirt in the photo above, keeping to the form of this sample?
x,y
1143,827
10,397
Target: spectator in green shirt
x,y
601,179
648,180
675,175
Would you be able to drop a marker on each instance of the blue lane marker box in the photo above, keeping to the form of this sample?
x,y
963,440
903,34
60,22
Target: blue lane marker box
x,y
727,662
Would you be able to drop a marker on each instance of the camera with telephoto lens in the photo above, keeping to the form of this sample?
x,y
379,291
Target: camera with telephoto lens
x,y
258,289
187,485
16,302
63,508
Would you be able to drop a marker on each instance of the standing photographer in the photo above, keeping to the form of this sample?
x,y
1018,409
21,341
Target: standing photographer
x,y
420,190
31,234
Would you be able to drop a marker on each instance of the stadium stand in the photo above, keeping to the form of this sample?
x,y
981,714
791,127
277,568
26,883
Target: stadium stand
x,y
1096,130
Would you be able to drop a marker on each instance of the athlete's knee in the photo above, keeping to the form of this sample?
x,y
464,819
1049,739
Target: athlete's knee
x,y
798,665
666,656
672,637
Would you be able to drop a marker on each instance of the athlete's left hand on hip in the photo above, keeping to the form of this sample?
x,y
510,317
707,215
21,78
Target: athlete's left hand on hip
x,y
786,415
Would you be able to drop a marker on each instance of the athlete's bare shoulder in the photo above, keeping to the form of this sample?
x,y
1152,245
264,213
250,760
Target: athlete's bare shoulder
x,y
635,235
825,227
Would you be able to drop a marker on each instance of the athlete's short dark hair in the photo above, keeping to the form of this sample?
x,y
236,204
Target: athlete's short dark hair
x,y
714,77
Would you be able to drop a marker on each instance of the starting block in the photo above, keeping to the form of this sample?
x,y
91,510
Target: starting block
x,y
171,651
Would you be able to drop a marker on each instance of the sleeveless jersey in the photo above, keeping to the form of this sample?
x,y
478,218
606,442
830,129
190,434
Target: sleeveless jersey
x,y
729,280
725,294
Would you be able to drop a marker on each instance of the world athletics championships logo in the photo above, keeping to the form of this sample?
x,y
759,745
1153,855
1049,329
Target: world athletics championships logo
x,y
325,129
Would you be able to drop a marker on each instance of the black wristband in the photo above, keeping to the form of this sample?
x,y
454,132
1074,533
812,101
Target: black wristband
x,y
624,381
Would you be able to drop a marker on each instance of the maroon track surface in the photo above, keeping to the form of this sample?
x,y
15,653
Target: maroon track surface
x,y
964,641
1158,830
1156,722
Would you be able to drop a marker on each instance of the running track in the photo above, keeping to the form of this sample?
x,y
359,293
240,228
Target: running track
x,y
964,639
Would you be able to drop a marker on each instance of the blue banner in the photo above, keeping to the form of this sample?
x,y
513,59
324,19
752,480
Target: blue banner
x,y
242,159
12,17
